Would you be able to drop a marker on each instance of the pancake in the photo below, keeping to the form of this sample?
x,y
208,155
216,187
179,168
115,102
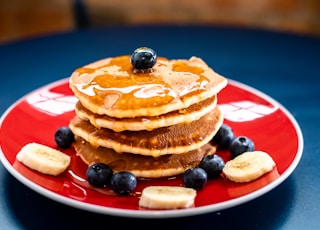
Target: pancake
x,y
110,87
194,112
142,166
176,139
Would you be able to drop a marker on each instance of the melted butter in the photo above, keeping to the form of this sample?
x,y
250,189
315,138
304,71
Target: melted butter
x,y
116,86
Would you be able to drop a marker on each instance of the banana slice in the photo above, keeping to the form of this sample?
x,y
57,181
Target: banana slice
x,y
43,159
248,166
167,197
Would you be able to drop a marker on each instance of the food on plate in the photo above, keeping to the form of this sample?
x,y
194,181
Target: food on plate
x,y
167,197
143,59
99,174
240,145
142,166
192,113
248,166
195,178
111,87
64,137
123,182
43,159
176,139
224,136
212,164
143,117
148,115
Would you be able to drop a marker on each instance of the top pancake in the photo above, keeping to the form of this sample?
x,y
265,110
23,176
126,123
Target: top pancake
x,y
110,87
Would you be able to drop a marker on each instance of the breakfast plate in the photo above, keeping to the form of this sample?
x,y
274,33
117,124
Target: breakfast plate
x,y
36,117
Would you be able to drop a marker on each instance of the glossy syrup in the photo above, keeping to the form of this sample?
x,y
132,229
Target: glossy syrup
x,y
116,86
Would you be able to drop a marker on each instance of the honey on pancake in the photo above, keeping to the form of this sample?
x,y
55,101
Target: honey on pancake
x,y
116,86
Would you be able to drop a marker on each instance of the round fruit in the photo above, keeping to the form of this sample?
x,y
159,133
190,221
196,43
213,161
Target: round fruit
x,y
99,174
123,182
212,164
195,178
224,136
64,137
143,58
240,145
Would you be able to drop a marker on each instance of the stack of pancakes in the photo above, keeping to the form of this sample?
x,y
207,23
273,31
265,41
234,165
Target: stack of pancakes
x,y
154,123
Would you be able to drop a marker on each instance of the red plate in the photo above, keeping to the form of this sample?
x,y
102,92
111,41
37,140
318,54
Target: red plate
x,y
36,117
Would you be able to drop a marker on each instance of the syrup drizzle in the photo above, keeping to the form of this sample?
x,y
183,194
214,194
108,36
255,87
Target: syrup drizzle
x,y
116,86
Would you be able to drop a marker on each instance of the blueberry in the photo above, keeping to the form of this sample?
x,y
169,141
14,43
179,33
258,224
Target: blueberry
x,y
240,145
123,182
64,137
99,174
195,178
223,137
143,58
212,164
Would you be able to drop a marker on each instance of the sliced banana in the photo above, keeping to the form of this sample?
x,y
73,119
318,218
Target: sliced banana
x,y
167,197
248,166
43,159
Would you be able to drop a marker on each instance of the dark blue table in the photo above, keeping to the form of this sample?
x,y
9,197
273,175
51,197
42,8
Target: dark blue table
x,y
284,66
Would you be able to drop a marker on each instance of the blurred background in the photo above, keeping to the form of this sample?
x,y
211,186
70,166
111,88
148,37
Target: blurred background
x,y
20,19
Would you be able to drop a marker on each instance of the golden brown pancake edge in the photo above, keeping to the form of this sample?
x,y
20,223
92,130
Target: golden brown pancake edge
x,y
176,139
187,115
142,166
